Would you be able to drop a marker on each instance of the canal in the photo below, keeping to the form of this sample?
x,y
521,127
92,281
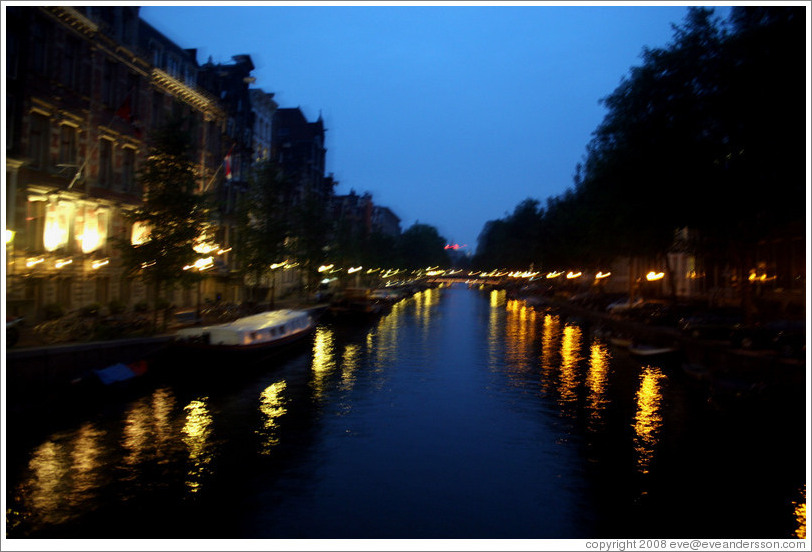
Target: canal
x,y
460,414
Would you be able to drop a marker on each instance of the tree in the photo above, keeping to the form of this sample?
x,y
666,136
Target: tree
x,y
421,246
172,211
263,224
311,227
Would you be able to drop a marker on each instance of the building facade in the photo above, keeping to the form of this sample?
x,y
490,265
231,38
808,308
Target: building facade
x,y
85,88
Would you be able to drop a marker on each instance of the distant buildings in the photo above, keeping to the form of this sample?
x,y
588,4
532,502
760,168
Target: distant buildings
x,y
85,88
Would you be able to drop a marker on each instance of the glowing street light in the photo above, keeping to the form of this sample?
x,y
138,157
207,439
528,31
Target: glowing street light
x,y
653,276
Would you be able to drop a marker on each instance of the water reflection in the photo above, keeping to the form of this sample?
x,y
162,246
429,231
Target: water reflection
x,y
65,475
494,334
570,357
800,515
272,407
148,433
520,332
385,340
425,301
85,464
197,432
47,488
597,379
349,365
549,342
498,297
648,419
323,359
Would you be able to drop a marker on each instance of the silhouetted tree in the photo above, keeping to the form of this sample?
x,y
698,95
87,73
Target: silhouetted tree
x,y
173,212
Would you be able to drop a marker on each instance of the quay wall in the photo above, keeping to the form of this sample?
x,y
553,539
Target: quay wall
x,y
39,369
719,358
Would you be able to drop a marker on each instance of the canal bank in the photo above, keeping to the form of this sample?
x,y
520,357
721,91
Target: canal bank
x,y
710,359
45,370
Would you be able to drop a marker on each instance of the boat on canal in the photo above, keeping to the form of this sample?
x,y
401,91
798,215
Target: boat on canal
x,y
357,303
650,350
261,332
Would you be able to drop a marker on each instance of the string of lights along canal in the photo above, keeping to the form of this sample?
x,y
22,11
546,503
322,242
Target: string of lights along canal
x,y
459,414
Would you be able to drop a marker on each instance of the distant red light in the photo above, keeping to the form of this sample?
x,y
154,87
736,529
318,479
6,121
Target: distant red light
x,y
454,246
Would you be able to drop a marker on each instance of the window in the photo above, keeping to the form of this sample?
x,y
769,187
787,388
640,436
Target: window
x,y
157,108
39,49
38,141
67,145
128,170
172,66
157,55
109,84
105,163
133,92
71,63
191,76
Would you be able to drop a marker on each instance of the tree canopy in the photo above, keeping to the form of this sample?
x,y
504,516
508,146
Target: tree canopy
x,y
707,132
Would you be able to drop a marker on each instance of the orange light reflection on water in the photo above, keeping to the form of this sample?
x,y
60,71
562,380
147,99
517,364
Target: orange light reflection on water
x,y
272,407
597,379
197,431
323,361
570,357
648,419
800,515
549,341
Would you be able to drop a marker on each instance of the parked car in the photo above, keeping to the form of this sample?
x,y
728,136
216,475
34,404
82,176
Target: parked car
x,y
717,324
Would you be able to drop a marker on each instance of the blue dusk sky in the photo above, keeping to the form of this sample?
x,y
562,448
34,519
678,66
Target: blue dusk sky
x,y
450,115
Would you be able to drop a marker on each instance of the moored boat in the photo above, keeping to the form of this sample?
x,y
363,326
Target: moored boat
x,y
357,303
258,332
645,350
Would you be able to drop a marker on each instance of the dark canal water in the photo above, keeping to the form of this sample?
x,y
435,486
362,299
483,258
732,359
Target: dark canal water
x,y
460,414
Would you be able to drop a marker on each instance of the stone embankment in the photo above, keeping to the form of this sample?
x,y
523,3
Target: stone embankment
x,y
33,369
716,358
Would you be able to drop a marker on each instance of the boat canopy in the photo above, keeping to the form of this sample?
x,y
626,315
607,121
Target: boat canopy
x,y
258,328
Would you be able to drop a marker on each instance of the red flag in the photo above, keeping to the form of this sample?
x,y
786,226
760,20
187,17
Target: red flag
x,y
228,163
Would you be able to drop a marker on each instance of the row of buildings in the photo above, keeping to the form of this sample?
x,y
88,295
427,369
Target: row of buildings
x,y
85,88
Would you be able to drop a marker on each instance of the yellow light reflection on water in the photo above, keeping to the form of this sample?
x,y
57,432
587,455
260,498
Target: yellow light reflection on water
x,y
197,437
386,334
148,431
549,341
520,326
323,359
596,379
64,477
570,357
426,301
45,489
800,515
498,297
349,364
494,339
136,435
648,419
272,407
163,403
85,464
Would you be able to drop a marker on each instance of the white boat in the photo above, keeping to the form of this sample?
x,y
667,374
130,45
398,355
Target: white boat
x,y
651,350
258,332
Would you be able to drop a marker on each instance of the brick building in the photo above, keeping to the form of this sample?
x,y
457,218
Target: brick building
x,y
85,86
